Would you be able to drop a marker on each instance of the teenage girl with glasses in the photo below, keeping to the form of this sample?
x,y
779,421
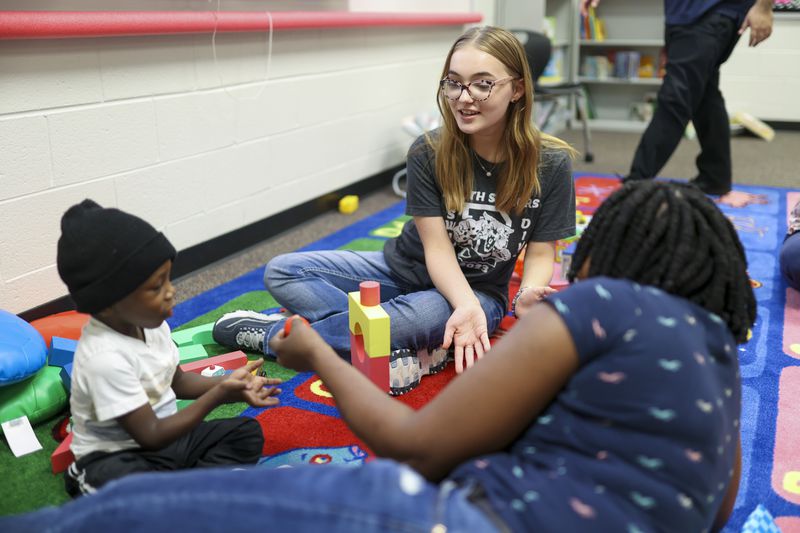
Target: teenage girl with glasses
x,y
481,189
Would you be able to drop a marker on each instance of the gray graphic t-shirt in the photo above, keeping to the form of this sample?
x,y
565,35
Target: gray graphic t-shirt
x,y
486,241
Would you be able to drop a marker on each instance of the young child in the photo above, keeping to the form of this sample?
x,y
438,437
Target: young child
x,y
125,376
613,406
481,189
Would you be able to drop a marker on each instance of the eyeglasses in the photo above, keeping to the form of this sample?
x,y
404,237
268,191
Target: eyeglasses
x,y
478,90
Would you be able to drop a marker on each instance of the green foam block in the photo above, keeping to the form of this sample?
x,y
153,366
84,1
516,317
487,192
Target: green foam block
x,y
192,352
196,335
38,398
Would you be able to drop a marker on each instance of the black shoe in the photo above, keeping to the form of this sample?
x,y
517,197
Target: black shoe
x,y
715,190
244,330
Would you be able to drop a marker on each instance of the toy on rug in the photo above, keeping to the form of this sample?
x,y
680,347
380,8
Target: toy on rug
x,y
62,457
369,333
227,361
348,204
62,351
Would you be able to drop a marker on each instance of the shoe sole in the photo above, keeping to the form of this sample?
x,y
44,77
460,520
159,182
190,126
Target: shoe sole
x,y
406,363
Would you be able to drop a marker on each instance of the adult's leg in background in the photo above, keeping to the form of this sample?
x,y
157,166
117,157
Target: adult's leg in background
x,y
693,55
712,124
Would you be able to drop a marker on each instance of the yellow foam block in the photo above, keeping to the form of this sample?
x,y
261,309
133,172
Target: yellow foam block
x,y
372,323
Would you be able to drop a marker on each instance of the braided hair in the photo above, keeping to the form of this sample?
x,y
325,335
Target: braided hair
x,y
671,236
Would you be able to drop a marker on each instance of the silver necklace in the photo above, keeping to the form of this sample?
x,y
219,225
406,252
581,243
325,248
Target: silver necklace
x,y
488,172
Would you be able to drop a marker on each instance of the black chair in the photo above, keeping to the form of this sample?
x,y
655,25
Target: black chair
x,y
538,49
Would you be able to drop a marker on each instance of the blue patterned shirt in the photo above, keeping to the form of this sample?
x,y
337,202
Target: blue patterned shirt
x,y
642,437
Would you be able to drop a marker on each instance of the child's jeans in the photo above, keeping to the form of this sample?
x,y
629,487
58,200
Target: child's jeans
x,y
315,285
381,496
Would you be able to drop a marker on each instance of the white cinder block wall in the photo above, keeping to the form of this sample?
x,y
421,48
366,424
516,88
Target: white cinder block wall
x,y
198,146
765,80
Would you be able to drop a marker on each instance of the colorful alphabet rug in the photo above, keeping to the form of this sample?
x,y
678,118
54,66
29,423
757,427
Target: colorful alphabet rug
x,y
307,428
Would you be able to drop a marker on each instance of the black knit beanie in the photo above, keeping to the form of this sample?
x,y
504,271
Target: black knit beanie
x,y
104,254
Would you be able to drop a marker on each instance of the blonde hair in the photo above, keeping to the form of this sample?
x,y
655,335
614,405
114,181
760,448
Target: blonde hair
x,y
521,142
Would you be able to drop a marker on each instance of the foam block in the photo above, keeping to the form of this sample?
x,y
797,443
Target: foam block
x,y
228,361
67,325
196,335
369,334
22,350
62,351
38,398
66,376
191,352
62,456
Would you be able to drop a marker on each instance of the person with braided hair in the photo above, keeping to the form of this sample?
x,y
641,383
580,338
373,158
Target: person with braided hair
x,y
612,406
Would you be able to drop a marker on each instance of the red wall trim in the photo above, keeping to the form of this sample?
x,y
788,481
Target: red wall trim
x,y
71,24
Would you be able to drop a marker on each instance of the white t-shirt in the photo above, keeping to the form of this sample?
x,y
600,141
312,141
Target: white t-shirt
x,y
113,374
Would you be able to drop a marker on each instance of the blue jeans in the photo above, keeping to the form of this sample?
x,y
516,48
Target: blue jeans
x,y
790,260
380,496
315,285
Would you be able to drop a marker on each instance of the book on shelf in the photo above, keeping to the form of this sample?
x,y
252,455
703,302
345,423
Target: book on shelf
x,y
596,67
592,27
554,70
549,28
626,65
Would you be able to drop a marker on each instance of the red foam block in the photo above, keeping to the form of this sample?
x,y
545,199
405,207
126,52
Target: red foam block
x,y
228,361
66,325
62,456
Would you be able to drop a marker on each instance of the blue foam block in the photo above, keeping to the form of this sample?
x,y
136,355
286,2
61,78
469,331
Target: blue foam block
x,y
66,376
61,351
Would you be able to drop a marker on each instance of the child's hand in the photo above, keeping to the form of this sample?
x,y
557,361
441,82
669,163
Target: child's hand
x,y
242,385
298,349
529,297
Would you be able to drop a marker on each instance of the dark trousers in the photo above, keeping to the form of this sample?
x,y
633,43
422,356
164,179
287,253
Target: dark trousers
x,y
231,441
690,91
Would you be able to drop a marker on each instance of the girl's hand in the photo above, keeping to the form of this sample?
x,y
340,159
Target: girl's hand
x,y
298,350
529,297
466,330
242,386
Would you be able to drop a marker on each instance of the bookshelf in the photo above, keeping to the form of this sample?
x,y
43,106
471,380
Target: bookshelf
x,y
561,19
619,100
